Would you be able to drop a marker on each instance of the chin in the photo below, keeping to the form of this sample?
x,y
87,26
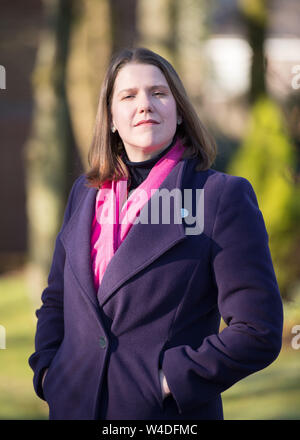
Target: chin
x,y
152,141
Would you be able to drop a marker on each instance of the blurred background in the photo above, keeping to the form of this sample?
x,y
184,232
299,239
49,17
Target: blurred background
x,y
240,63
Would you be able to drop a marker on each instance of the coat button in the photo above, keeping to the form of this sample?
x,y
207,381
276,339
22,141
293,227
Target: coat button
x,y
102,342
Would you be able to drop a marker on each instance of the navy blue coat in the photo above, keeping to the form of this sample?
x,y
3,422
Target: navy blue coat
x,y
159,306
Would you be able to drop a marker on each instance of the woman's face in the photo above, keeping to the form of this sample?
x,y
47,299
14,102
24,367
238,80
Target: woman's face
x,y
143,110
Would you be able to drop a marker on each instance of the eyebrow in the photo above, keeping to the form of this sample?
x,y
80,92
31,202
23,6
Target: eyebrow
x,y
133,89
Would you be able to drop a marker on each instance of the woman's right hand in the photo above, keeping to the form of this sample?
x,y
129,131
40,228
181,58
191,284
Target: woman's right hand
x,y
164,385
45,372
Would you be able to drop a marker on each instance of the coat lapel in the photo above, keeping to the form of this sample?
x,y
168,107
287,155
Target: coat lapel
x,y
143,244
76,239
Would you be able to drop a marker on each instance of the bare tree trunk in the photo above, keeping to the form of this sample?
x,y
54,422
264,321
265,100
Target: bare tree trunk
x,y
89,52
49,152
173,37
123,19
255,15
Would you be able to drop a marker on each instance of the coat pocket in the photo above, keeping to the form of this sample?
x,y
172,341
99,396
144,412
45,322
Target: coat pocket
x,y
167,401
49,373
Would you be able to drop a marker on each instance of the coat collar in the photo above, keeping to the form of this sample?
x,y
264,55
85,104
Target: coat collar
x,y
143,244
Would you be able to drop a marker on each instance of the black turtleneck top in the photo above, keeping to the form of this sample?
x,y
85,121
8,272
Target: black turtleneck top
x,y
139,170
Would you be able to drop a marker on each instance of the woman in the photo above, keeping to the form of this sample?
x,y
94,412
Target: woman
x,y
129,325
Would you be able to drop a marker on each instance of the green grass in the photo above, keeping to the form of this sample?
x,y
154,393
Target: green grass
x,y
17,398
273,393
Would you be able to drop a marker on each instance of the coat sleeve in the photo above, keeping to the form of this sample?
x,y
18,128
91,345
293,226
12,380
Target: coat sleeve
x,y
50,323
248,300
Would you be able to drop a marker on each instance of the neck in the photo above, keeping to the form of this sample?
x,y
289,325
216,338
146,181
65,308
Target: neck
x,y
142,155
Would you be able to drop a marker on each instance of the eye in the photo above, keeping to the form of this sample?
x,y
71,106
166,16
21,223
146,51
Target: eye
x,y
128,96
158,94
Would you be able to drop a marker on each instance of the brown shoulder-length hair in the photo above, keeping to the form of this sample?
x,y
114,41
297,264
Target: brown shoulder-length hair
x,y
105,154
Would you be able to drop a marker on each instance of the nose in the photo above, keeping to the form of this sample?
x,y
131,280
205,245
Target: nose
x,y
144,103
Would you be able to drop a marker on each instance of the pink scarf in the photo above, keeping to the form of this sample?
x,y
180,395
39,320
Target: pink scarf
x,y
114,215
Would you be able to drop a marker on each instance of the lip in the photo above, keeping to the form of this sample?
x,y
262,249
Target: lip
x,y
146,121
